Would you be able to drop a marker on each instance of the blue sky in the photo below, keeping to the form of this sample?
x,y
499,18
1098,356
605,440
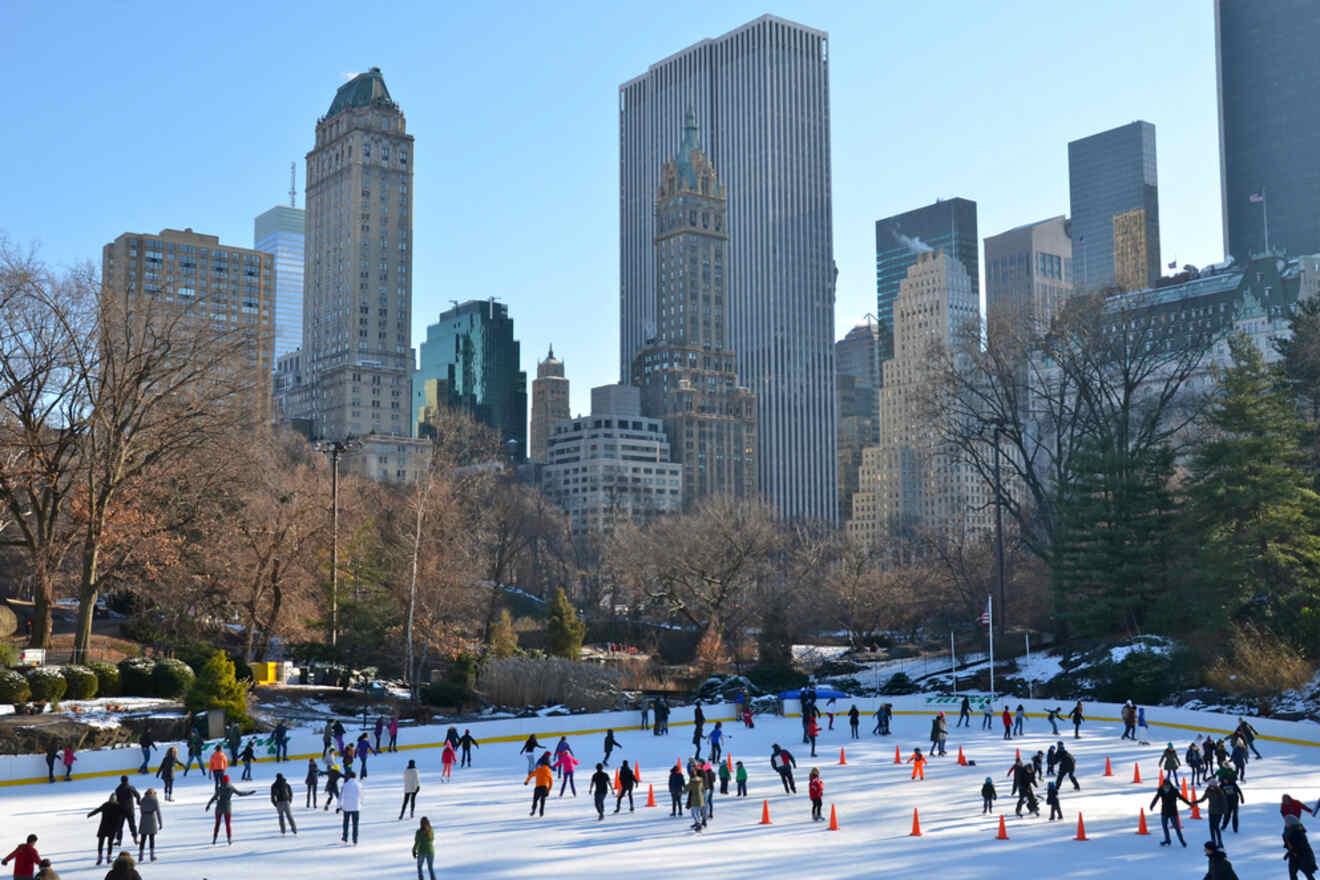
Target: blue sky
x,y
136,117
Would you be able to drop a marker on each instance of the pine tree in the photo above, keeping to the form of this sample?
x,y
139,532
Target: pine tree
x,y
503,637
216,687
565,627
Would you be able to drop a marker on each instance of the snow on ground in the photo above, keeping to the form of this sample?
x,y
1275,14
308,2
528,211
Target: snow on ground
x,y
483,830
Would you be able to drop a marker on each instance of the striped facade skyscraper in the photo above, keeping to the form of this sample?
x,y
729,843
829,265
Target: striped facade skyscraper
x,y
762,93
281,232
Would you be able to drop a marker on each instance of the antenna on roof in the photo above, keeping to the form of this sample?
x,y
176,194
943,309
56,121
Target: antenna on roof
x,y
293,185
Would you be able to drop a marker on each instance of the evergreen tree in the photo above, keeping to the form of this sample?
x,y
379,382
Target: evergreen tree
x,y
565,627
503,638
216,687
1251,503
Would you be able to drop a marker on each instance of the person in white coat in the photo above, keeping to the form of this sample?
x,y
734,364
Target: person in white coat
x,y
350,799
412,784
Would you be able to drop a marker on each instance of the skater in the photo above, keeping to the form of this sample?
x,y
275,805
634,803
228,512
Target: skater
x,y
1217,805
560,748
52,755
611,743
676,786
166,773
218,764
451,737
379,729
1170,763
1248,734
247,756
146,743
740,777
646,715
46,872
1050,761
941,732
964,713
1007,718
1143,732
235,739
708,782
1020,719
747,718
281,738
1233,798
1220,868
545,780
351,801
1167,797
566,765
327,736
529,749
281,797
1208,756
854,722
716,741
393,728
363,749
1052,800
783,763
224,808
813,731
1024,783
1067,764
918,762
424,847
1239,757
1289,807
149,826
25,858
725,775
1077,719
1052,716
987,716
337,729
662,716
111,827
68,758
332,777
311,780
467,742
696,801
1193,758
448,757
1297,849
412,783
1129,715
123,868
816,791
626,783
698,721
1037,760
988,797
829,711
127,796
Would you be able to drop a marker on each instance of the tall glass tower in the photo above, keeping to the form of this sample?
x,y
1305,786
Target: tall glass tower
x,y
762,93
281,232
1115,199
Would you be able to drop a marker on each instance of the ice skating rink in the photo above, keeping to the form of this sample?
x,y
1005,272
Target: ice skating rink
x,y
482,827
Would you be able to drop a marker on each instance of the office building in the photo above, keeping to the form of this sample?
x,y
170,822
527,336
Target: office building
x,y
857,361
948,224
1113,190
356,344
292,394
227,288
1269,134
913,482
1028,274
471,361
613,466
761,92
280,233
687,375
549,403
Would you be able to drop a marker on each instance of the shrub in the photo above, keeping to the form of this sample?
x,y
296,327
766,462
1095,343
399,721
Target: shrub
x,y
46,683
135,677
899,683
565,627
107,678
903,652
171,678
1143,677
446,693
503,638
8,655
195,654
81,681
13,687
1258,665
216,687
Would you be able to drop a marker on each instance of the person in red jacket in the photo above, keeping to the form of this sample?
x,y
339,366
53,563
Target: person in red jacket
x,y
1290,807
816,791
25,858
813,731
1008,723
448,758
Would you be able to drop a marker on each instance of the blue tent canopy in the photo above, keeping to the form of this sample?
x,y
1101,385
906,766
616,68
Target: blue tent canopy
x,y
821,694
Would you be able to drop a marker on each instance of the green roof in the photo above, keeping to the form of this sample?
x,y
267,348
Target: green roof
x,y
361,91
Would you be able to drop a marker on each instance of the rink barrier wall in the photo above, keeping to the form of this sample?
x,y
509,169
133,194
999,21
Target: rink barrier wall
x,y
305,743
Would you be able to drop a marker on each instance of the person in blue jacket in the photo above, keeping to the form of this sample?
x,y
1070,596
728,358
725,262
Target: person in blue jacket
x,y
716,741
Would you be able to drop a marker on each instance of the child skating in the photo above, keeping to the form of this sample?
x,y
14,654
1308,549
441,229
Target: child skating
x,y
816,791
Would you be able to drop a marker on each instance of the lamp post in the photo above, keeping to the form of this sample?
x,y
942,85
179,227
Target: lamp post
x,y
335,449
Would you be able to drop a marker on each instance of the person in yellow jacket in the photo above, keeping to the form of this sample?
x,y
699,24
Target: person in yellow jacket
x,y
218,765
545,780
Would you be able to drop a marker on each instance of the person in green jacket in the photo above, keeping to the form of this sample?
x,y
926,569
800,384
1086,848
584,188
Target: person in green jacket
x,y
224,807
724,777
696,802
740,774
424,848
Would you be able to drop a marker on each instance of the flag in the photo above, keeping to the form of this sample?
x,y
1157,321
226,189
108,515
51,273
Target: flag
x,y
1256,198
1173,264
984,619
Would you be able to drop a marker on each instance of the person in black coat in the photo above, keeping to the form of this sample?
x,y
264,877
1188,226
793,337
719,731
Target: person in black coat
x,y
600,789
1167,797
677,784
52,752
529,749
854,722
964,713
610,745
1024,780
247,756
165,771
467,741
311,780
332,777
1067,764
1297,849
1217,804
698,720
1219,867
626,782
128,797
988,797
1233,797
783,762
111,827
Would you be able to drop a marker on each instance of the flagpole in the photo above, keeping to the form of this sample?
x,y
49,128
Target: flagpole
x,y
990,609
1265,205
953,664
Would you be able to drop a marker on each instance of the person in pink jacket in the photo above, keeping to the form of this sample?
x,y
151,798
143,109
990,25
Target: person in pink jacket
x,y
68,759
565,765
448,758
393,728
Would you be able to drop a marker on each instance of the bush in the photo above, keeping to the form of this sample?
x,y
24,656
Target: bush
x,y
216,687
565,627
503,638
446,693
195,654
171,679
46,683
8,655
903,652
135,677
1143,677
899,683
1258,665
13,687
81,681
107,678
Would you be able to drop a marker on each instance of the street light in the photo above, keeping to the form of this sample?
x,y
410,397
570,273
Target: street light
x,y
334,449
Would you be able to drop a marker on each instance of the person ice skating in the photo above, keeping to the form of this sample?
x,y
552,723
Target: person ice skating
x,y
1067,765
393,728
1050,761
698,721
816,792
645,708
1052,716
124,868
1167,797
1297,849
566,764
1239,757
448,758
545,780
964,713
467,741
310,780
1037,762
941,732
1221,753
378,730
716,741
25,858
530,749
1248,734
626,783
281,798
1020,718
854,722
611,744
918,762
332,777
337,729
599,788
677,784
1007,719
987,716
224,808
348,757
747,720
1052,800
1220,868
67,757
424,848
1129,715
451,737
1193,759
1217,806
1208,756
351,800
110,827
412,783
218,764
696,801
327,737
1024,784
708,782
1077,719
1233,797
1143,731
813,731
560,748
165,772
725,775
988,797
150,825
1290,807
363,749
128,798
234,738
280,737
52,755
247,756
146,743
740,778
783,763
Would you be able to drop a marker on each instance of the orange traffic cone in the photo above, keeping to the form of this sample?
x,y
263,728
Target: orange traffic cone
x,y
650,795
1196,811
1184,789
962,759
617,784
730,763
1081,829
765,812
637,772
1003,830
1160,783
1019,754
916,823
843,759
1141,823
898,759
1136,774
1109,770
834,820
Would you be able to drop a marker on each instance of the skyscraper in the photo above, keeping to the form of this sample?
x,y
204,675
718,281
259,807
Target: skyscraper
x,y
762,93
357,356
687,375
471,361
1269,134
949,224
549,403
857,360
280,232
1028,273
1115,200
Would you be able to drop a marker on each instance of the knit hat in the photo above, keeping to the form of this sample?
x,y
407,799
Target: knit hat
x,y
1168,745
1212,847
987,779
225,778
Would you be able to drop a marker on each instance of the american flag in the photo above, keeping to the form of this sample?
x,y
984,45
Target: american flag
x,y
1256,198
984,619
